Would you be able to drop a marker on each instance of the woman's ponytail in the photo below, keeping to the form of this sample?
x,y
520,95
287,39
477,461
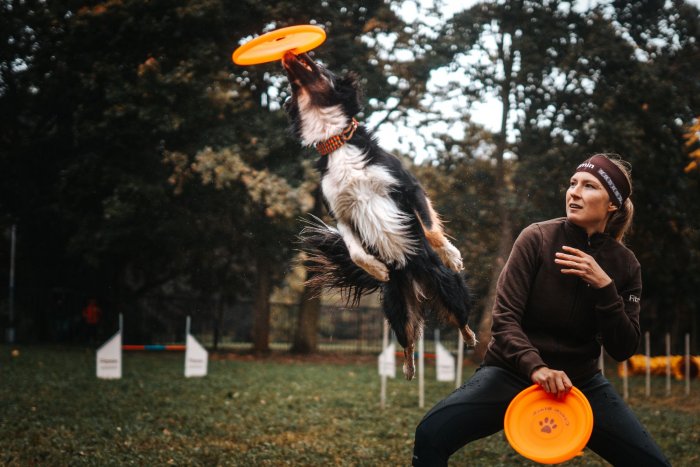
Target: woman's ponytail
x,y
620,221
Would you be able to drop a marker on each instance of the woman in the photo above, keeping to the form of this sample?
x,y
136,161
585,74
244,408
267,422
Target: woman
x,y
568,286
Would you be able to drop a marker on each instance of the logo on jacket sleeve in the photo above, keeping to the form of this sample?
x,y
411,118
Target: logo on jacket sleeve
x,y
633,299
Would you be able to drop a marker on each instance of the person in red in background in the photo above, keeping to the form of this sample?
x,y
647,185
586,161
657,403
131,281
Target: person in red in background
x,y
91,316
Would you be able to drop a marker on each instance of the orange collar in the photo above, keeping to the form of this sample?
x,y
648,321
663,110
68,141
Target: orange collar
x,y
335,142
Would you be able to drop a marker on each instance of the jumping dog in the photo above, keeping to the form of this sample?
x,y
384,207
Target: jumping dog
x,y
388,236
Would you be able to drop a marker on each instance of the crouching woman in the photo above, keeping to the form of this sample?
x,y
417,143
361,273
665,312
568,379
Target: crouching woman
x,y
569,285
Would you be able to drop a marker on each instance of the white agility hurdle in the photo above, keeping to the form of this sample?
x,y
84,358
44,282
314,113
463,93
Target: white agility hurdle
x,y
445,367
109,355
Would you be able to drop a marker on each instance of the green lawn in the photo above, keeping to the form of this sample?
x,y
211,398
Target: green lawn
x,y
271,411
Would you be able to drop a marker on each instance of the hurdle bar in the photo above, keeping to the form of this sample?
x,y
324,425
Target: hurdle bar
x,y
109,355
155,347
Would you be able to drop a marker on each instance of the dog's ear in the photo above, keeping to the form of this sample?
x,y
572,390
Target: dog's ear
x,y
349,87
351,78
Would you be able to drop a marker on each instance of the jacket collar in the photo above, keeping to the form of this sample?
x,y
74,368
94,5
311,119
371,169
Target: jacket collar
x,y
582,239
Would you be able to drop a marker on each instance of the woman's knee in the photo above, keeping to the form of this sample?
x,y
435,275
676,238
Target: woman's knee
x,y
426,433
426,449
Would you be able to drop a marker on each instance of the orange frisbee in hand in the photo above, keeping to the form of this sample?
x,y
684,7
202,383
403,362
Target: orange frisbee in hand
x,y
546,429
272,46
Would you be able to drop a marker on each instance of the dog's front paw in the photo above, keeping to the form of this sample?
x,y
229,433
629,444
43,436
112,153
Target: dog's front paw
x,y
379,271
373,267
451,256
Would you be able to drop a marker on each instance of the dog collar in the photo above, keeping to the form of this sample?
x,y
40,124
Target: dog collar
x,y
335,142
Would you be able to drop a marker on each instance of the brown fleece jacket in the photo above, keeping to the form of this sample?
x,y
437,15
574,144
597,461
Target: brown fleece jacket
x,y
542,317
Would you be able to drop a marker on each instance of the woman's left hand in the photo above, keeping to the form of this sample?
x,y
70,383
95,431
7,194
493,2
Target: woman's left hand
x,y
552,381
578,263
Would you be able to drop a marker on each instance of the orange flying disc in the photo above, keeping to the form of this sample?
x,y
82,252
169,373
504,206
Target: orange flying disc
x,y
546,429
272,46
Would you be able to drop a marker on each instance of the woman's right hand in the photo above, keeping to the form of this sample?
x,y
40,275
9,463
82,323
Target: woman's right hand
x,y
552,381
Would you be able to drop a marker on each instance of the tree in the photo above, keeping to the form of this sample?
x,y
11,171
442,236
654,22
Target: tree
x,y
305,340
505,49
104,90
647,94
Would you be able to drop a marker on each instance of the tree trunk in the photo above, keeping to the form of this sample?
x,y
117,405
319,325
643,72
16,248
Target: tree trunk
x,y
261,306
218,321
505,228
306,334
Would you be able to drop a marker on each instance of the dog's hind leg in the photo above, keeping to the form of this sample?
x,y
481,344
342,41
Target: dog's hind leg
x,y
455,305
434,233
450,297
359,256
468,336
409,363
401,308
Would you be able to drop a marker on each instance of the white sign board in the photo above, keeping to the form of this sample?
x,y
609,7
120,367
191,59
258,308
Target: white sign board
x,y
109,358
196,358
387,361
445,363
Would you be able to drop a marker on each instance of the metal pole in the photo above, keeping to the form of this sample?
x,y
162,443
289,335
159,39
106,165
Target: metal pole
x,y
421,376
385,344
358,331
687,364
187,327
460,359
10,334
647,349
668,364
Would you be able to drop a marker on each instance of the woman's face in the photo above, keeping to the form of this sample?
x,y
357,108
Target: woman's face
x,y
587,203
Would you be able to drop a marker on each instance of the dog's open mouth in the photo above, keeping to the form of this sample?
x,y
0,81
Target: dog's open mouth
x,y
303,60
294,63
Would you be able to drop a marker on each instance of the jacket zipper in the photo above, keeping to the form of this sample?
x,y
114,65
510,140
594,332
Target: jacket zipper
x,y
577,290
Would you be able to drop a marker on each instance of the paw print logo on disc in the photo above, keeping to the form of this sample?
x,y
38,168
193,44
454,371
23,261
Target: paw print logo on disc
x,y
548,425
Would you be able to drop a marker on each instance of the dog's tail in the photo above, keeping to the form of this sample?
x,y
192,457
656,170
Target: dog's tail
x,y
329,264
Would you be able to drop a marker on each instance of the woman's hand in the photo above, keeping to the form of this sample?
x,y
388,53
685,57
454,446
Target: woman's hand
x,y
552,381
581,264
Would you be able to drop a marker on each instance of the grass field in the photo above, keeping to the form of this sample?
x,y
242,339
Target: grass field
x,y
278,410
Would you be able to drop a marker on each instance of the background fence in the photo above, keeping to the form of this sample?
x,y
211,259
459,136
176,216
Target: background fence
x,y
340,329
55,316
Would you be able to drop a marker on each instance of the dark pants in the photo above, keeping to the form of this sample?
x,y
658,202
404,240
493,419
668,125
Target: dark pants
x,y
477,409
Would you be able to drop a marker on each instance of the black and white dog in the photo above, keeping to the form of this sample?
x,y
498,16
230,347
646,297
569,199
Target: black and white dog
x,y
388,236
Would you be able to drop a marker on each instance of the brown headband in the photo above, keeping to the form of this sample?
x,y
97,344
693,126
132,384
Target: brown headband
x,y
610,175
